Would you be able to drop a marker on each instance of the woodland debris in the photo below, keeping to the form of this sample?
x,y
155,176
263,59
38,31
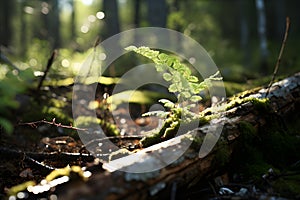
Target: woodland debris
x,y
284,99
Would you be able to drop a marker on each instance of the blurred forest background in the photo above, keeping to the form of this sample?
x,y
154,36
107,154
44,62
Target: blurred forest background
x,y
242,37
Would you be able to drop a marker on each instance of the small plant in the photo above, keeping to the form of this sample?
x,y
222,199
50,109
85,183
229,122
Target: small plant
x,y
186,87
12,82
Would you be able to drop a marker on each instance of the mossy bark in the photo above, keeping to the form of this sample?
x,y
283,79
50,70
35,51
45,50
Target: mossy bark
x,y
253,130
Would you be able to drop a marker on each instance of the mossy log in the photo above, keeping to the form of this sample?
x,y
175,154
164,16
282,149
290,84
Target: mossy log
x,y
242,116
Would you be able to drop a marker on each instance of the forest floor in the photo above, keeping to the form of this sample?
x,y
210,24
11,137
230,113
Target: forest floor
x,y
45,140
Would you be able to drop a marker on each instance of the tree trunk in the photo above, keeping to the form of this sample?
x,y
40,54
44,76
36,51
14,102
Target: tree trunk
x,y
54,24
284,99
73,20
137,17
244,33
261,27
111,20
23,33
7,9
157,13
280,16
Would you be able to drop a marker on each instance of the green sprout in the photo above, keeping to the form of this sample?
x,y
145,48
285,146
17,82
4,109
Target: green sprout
x,y
186,86
183,84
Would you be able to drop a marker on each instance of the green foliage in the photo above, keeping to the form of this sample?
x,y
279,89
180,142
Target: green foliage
x,y
38,54
186,86
12,82
87,121
135,96
222,155
183,84
256,151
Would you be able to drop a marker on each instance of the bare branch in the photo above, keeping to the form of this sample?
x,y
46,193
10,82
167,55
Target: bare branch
x,y
53,122
280,54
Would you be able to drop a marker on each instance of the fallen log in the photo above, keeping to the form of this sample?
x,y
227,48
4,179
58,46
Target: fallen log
x,y
116,183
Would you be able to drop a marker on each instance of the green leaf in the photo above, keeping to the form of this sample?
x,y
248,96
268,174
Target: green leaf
x,y
163,56
180,86
173,88
131,48
6,125
170,61
176,76
160,67
187,72
176,64
186,94
193,79
195,98
158,113
167,76
167,103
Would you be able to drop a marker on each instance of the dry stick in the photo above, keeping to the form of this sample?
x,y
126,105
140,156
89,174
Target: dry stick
x,y
97,42
280,54
50,62
34,124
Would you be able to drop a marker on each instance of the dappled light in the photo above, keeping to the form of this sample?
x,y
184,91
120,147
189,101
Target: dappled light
x,y
153,99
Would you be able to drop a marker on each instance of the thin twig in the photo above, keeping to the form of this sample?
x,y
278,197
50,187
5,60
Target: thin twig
x,y
97,42
280,54
49,64
36,156
34,124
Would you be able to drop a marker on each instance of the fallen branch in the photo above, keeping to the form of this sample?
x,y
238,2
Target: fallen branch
x,y
280,54
284,98
53,122
49,64
40,158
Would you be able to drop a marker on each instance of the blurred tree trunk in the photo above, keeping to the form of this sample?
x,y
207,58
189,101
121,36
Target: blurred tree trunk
x,y
54,24
244,32
261,26
49,29
157,17
73,20
6,12
23,33
137,17
280,18
157,13
111,20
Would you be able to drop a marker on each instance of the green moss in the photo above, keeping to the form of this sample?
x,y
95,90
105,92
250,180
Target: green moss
x,y
195,139
222,155
171,126
167,131
119,154
260,104
151,138
232,88
247,157
136,96
280,149
287,187
257,150
256,170
247,130
57,113
69,81
58,103
88,121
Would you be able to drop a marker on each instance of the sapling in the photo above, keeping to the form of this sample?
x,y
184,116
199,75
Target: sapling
x,y
183,84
